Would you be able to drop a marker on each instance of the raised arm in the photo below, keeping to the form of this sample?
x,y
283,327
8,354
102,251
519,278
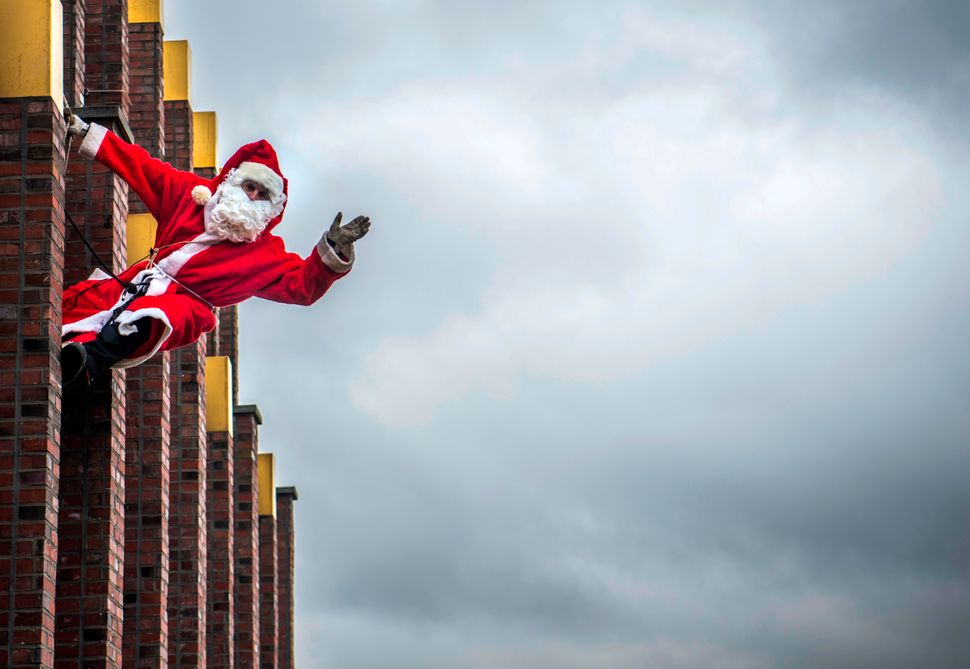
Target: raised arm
x,y
158,184
305,280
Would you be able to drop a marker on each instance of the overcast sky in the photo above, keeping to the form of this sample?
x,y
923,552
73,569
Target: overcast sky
x,y
656,352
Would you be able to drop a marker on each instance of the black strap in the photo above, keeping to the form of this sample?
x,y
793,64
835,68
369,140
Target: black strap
x,y
95,253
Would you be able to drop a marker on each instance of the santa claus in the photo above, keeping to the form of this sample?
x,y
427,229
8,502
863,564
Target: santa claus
x,y
214,248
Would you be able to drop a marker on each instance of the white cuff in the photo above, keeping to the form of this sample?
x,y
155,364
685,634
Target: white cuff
x,y
92,140
330,258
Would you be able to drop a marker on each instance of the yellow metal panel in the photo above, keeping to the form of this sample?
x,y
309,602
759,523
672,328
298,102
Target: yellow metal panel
x,y
204,139
145,11
266,467
32,49
177,69
218,394
141,236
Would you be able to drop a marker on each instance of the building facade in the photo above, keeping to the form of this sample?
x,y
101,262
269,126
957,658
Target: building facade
x,y
138,518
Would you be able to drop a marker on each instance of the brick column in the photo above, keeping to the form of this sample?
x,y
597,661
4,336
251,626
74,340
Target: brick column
x,y
221,577
268,595
32,158
74,52
148,476
229,344
106,54
91,561
187,579
31,271
246,447
286,545
177,104
221,574
187,522
222,586
204,164
91,525
92,488
147,116
147,481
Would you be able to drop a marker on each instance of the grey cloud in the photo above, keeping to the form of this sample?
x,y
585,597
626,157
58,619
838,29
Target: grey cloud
x,y
786,490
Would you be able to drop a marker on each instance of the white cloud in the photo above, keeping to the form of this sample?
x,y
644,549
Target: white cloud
x,y
687,226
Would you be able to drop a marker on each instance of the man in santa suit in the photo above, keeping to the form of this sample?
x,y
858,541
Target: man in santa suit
x,y
214,248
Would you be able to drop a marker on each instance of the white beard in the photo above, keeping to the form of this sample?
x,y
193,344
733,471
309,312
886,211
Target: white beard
x,y
236,218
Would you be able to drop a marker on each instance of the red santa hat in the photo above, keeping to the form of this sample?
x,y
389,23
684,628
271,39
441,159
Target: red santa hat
x,y
256,161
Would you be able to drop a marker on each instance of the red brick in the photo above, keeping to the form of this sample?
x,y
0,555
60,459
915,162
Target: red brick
x,y
246,421
30,475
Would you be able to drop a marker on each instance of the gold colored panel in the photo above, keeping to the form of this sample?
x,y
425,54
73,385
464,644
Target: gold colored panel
x,y
177,69
141,236
204,139
32,49
218,394
266,466
145,11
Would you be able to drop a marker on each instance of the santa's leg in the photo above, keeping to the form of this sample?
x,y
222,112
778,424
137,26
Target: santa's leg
x,y
108,348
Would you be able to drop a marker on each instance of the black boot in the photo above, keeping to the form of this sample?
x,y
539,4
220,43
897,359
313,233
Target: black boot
x,y
109,348
73,362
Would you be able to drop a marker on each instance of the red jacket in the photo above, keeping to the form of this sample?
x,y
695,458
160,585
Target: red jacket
x,y
195,271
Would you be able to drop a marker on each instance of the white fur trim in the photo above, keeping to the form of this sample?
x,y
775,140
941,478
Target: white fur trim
x,y
330,258
93,323
99,275
124,321
172,263
262,175
92,140
201,194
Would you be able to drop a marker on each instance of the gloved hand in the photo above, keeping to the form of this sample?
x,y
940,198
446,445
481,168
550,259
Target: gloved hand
x,y
342,237
75,126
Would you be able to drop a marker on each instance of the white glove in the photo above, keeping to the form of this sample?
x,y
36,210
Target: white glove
x,y
75,126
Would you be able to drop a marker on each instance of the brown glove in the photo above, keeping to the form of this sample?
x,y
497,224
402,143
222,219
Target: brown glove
x,y
342,237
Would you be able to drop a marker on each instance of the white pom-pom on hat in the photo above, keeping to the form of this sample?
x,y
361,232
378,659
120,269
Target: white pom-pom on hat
x,y
201,194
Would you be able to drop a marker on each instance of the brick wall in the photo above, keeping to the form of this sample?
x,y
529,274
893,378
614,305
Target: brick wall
x,y
187,578
73,52
268,595
91,522
229,344
178,133
147,115
187,524
246,430
127,537
221,575
106,54
31,271
286,543
147,490
148,442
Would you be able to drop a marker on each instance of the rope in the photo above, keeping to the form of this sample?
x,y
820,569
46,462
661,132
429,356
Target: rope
x,y
135,291
77,229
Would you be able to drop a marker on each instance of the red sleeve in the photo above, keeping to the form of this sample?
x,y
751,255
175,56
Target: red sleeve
x,y
300,280
159,185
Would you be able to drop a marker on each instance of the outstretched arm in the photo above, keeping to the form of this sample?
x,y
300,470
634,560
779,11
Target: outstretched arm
x,y
157,183
305,280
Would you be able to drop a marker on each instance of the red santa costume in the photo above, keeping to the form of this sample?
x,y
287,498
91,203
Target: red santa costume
x,y
196,266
